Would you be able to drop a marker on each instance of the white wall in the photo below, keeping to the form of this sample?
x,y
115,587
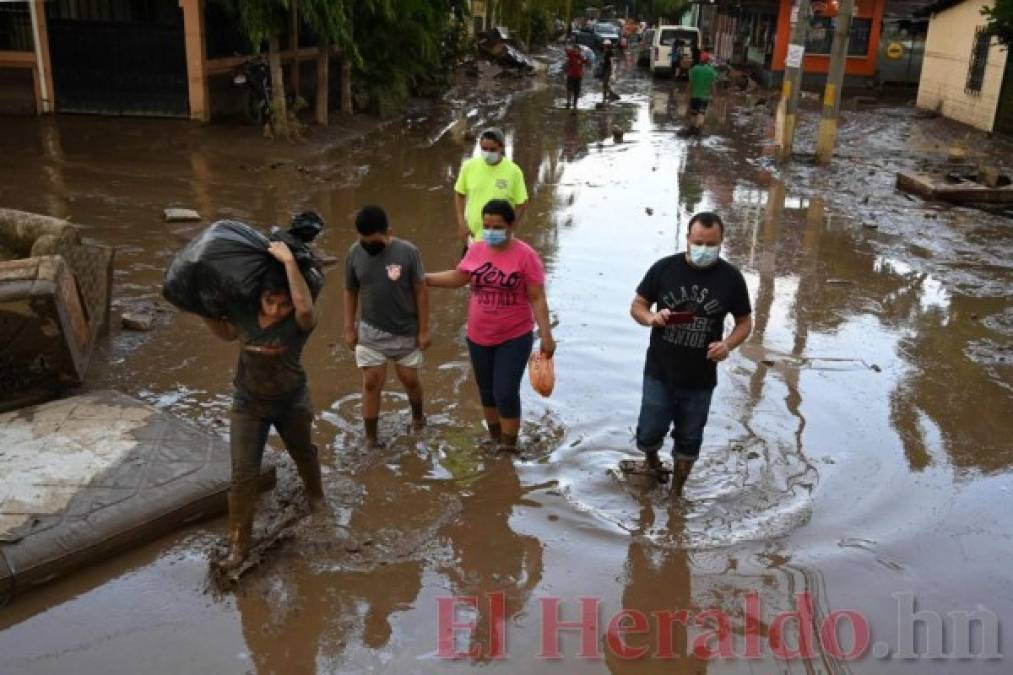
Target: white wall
x,y
947,58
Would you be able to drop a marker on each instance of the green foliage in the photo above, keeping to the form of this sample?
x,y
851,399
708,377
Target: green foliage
x,y
404,47
1000,20
331,19
259,19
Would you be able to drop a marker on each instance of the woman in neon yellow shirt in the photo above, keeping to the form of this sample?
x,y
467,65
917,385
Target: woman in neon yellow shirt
x,y
484,178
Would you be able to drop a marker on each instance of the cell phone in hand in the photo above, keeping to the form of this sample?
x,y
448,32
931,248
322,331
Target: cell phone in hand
x,y
679,318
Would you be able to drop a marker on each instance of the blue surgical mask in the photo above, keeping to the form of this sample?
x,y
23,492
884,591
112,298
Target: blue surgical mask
x,y
494,237
703,256
491,156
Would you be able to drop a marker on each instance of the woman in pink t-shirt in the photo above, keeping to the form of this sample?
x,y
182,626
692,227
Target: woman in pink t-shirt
x,y
507,300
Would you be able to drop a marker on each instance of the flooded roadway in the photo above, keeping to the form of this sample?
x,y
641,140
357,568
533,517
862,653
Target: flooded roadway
x,y
859,444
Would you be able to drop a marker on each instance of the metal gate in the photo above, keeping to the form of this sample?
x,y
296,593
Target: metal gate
x,y
119,57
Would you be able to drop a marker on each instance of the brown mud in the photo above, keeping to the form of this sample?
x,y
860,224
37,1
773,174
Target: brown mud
x,y
858,446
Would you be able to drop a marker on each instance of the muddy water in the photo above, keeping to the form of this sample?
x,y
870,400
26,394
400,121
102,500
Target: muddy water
x,y
859,443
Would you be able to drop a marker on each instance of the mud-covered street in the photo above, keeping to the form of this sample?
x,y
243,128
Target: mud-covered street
x,y
859,445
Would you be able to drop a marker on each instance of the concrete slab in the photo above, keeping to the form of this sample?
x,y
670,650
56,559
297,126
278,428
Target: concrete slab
x,y
87,476
963,192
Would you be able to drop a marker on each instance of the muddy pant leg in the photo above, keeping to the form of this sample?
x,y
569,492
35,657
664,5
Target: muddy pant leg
x,y
510,359
247,436
656,408
295,426
691,409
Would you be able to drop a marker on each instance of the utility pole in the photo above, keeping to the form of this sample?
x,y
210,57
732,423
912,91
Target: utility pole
x,y
827,138
791,88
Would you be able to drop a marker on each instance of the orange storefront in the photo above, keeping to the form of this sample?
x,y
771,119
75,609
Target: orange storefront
x,y
863,44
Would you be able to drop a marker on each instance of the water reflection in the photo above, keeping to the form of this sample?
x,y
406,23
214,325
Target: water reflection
x,y
488,554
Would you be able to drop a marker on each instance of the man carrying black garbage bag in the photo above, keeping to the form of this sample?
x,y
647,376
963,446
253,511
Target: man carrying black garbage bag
x,y
691,294
270,390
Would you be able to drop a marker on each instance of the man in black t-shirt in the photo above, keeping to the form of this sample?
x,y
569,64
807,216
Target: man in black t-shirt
x,y
270,390
690,293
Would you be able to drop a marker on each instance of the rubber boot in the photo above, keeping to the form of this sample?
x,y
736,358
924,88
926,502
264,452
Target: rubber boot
x,y
654,464
371,425
242,505
508,443
309,472
418,416
680,474
495,431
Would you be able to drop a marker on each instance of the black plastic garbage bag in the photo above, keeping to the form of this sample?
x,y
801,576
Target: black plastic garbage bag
x,y
222,268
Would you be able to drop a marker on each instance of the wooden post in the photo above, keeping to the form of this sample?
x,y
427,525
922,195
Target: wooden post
x,y
827,138
346,84
45,99
279,111
293,45
196,59
791,88
323,81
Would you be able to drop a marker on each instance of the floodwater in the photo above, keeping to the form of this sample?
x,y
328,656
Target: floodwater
x,y
859,449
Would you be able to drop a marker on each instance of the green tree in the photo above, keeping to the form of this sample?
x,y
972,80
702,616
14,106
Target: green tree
x,y
404,47
1000,20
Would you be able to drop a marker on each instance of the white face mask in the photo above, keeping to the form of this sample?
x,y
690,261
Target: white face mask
x,y
703,256
491,156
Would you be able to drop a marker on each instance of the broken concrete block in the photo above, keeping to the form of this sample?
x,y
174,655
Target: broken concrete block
x,y
137,321
174,215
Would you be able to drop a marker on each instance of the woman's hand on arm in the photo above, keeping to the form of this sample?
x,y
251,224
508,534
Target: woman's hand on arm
x,y
447,279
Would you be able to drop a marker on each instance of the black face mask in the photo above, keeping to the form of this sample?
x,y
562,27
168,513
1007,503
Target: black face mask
x,y
373,247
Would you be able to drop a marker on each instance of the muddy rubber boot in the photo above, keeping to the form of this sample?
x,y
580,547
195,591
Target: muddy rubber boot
x,y
371,425
419,421
655,464
507,443
242,505
680,474
309,472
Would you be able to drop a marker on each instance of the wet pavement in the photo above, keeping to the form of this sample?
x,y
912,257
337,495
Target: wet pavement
x,y
859,448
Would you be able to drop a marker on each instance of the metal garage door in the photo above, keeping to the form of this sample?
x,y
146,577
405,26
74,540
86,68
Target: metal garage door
x,y
124,57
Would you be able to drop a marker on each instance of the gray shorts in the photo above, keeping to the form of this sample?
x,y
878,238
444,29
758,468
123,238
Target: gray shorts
x,y
376,347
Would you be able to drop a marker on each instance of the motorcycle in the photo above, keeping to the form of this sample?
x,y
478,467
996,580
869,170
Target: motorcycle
x,y
255,76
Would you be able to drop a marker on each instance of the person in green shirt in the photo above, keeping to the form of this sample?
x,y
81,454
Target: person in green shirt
x,y
482,179
701,88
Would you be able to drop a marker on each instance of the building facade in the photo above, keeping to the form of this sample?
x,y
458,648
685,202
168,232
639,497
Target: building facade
x,y
171,58
965,70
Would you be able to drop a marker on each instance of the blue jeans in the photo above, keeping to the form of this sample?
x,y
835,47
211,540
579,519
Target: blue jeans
x,y
498,372
683,410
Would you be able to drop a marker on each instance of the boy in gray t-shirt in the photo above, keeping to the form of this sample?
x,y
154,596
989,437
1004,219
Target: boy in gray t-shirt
x,y
394,324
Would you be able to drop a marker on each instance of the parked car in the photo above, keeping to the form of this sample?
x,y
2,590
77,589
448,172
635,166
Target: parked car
x,y
605,30
661,44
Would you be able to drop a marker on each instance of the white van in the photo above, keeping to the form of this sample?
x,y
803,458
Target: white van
x,y
661,45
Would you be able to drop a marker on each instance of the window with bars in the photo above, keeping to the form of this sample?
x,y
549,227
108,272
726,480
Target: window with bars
x,y
979,60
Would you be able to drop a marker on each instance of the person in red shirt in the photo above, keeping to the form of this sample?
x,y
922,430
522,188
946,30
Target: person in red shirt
x,y
575,61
